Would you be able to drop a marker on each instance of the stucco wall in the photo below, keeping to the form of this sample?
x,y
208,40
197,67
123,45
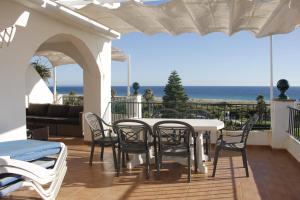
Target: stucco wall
x,y
37,90
293,147
256,137
49,33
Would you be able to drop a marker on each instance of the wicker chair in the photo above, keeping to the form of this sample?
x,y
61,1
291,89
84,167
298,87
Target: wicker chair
x,y
236,146
134,137
100,136
166,113
201,114
173,139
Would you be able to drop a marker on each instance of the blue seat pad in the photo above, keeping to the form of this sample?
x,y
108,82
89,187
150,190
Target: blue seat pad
x,y
28,150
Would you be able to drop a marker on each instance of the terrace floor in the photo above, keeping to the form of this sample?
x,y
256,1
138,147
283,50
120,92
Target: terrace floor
x,y
274,174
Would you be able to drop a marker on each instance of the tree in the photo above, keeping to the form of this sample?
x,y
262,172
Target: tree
x,y
136,87
175,96
42,70
148,94
260,107
113,93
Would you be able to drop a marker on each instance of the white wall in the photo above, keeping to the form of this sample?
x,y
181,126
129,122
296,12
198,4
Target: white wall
x,y
37,90
49,31
256,137
293,147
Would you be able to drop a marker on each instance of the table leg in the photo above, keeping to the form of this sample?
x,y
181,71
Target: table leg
x,y
200,151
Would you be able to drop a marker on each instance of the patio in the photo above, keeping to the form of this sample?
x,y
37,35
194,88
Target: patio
x,y
274,174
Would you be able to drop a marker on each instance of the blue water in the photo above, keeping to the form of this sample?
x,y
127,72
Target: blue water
x,y
203,92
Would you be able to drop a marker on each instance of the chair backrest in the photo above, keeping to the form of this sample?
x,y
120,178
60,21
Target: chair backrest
x,y
95,124
196,114
173,133
166,113
131,131
247,127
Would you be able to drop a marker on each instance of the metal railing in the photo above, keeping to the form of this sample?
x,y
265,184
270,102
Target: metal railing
x,y
234,115
294,122
73,100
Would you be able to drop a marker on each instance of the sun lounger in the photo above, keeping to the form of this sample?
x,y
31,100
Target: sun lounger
x,y
40,165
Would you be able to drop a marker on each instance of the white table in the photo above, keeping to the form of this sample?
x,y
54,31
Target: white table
x,y
200,125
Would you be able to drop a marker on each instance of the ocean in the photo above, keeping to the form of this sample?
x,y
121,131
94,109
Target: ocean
x,y
201,92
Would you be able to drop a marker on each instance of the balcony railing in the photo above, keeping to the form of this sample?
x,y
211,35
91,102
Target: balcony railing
x,y
234,115
294,122
73,100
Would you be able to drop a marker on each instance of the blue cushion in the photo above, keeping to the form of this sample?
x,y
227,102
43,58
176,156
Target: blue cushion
x,y
5,190
6,179
28,150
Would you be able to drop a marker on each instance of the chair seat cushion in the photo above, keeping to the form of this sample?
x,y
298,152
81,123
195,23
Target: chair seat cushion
x,y
40,119
37,109
52,120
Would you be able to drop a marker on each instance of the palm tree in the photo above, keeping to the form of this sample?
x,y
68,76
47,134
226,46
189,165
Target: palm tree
x,y
42,70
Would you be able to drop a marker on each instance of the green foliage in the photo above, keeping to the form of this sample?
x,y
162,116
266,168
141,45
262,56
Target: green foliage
x,y
72,93
175,96
148,95
73,99
260,107
136,87
113,93
42,70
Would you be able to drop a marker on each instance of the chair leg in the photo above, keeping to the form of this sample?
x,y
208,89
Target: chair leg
x,y
215,161
119,162
195,156
159,162
189,168
206,143
102,152
209,147
115,157
147,165
156,156
92,154
245,161
123,160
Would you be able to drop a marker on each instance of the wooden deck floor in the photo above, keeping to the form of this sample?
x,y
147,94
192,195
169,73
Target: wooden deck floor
x,y
274,174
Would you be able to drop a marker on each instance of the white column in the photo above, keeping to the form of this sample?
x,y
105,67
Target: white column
x,y
280,122
54,85
128,75
271,68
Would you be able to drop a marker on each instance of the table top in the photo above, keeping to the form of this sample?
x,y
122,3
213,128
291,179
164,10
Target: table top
x,y
198,124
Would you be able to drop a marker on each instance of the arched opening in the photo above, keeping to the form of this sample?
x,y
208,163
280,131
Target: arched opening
x,y
63,114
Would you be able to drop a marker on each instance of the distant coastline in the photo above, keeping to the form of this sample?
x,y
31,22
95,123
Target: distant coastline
x,y
202,93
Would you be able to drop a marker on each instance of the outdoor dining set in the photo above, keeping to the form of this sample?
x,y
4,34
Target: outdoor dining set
x,y
163,136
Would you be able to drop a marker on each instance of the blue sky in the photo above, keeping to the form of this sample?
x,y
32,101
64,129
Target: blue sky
x,y
214,59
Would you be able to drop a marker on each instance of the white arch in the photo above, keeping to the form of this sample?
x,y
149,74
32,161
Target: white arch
x,y
91,51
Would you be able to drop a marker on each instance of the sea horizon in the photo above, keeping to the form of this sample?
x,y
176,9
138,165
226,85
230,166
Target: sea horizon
x,y
247,93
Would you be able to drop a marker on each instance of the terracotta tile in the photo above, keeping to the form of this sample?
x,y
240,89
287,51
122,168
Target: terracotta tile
x,y
274,174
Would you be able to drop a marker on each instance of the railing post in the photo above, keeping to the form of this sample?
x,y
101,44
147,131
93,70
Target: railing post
x,y
280,122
